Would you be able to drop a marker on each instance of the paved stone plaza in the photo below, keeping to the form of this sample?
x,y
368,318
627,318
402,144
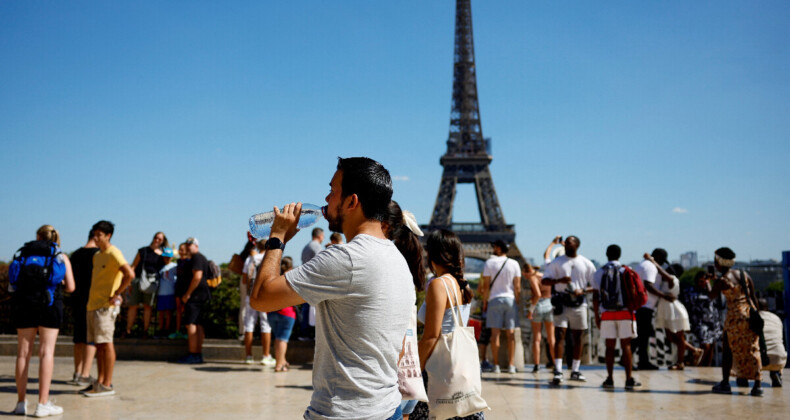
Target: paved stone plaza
x,y
231,390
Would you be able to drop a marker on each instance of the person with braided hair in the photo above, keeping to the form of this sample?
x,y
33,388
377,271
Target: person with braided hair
x,y
446,259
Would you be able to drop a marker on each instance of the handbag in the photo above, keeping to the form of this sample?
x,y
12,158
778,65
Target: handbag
x,y
756,322
148,281
410,382
454,388
556,302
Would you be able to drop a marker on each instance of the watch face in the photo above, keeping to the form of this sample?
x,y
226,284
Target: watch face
x,y
274,243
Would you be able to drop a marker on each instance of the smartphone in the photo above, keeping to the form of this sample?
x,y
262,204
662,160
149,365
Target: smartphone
x,y
711,270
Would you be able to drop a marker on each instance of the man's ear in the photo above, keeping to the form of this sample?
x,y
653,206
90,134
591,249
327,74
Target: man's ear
x,y
353,203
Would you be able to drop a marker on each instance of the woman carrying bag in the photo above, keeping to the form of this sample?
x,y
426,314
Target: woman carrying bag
x,y
447,350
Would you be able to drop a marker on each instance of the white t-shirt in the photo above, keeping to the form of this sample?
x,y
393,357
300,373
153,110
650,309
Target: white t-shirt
x,y
579,269
251,269
363,294
649,274
503,286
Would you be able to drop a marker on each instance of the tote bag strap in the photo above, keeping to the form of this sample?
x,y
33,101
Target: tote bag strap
x,y
459,317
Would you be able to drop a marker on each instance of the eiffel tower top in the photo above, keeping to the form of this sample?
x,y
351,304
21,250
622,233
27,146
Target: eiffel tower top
x,y
466,134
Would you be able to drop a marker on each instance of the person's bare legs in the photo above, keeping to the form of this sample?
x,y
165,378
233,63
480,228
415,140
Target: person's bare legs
x,y
495,345
192,338
100,362
559,345
179,310
88,353
26,339
131,317
550,338
577,344
511,346
106,353
266,343
726,360
248,343
707,356
146,319
167,316
627,357
536,340
610,343
46,353
280,347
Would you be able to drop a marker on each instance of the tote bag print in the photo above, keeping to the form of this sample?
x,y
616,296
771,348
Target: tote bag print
x,y
409,376
454,388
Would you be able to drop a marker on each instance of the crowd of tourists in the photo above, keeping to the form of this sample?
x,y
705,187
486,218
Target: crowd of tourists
x,y
359,299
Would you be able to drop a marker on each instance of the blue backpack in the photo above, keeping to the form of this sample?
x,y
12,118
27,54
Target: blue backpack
x,y
35,273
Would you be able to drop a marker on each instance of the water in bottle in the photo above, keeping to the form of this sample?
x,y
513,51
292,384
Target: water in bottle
x,y
261,223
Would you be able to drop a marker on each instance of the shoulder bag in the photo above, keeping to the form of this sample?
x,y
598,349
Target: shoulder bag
x,y
454,387
148,281
410,382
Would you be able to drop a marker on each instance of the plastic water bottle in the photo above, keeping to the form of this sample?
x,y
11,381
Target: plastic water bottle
x,y
261,223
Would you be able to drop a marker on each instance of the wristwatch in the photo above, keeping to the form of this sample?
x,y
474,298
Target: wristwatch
x,y
275,243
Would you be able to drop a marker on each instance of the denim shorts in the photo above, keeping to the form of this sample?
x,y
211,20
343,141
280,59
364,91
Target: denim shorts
x,y
501,313
281,326
544,312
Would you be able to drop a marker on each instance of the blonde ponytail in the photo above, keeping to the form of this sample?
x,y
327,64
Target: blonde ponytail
x,y
48,233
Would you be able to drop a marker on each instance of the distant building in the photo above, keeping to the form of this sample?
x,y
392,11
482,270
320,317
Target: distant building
x,y
764,272
689,260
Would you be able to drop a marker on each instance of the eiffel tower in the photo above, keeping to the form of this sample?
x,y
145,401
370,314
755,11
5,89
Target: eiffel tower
x,y
468,156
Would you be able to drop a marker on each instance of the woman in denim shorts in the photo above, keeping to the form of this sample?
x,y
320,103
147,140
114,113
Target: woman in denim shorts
x,y
541,313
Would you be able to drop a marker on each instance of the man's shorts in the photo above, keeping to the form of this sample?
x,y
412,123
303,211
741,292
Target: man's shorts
x,y
573,318
80,316
281,326
544,312
501,313
251,315
193,313
618,324
101,324
137,296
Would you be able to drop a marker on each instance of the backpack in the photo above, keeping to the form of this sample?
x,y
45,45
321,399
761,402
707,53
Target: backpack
x,y
35,273
634,293
214,275
611,288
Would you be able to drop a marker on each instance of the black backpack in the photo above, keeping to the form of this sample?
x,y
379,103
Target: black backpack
x,y
35,274
611,288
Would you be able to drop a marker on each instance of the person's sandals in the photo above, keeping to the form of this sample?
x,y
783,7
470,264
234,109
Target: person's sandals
x,y
283,368
677,366
722,388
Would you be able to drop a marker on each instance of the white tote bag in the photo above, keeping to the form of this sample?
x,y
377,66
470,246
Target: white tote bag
x,y
410,382
454,388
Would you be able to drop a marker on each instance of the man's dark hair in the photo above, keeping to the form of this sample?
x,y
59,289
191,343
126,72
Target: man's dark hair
x,y
90,235
317,232
104,226
613,252
660,254
370,181
676,269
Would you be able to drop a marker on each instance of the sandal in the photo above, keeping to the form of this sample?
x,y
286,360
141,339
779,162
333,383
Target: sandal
x,y
677,366
283,368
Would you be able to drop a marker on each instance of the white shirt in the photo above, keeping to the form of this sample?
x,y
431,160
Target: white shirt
x,y
503,286
579,269
649,274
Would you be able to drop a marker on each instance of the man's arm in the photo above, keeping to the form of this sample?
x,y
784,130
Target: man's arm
x,y
517,291
128,275
196,276
485,282
271,291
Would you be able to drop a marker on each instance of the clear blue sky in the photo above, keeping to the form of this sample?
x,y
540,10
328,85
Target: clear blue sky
x,y
644,124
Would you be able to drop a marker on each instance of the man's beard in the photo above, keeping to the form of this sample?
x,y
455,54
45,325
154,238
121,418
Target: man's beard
x,y
336,223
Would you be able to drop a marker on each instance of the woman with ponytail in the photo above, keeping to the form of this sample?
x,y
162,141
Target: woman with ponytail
x,y
446,259
43,318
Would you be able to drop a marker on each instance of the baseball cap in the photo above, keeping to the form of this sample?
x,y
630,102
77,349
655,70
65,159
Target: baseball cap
x,y
192,240
167,252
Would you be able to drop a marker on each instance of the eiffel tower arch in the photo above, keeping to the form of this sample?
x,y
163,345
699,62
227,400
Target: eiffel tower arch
x,y
468,156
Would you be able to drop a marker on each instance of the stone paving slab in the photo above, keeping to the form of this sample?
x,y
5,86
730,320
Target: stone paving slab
x,y
232,390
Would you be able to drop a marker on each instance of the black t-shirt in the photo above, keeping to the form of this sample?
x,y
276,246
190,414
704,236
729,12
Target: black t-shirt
x,y
82,267
149,259
201,293
183,276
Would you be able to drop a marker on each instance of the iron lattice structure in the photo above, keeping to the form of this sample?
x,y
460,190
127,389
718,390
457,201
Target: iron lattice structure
x,y
468,155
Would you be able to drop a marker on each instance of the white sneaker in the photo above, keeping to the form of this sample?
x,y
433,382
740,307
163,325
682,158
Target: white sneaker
x,y
48,409
268,361
496,369
511,369
21,408
248,360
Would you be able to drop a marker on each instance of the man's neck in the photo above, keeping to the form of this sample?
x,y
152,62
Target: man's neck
x,y
368,227
105,248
